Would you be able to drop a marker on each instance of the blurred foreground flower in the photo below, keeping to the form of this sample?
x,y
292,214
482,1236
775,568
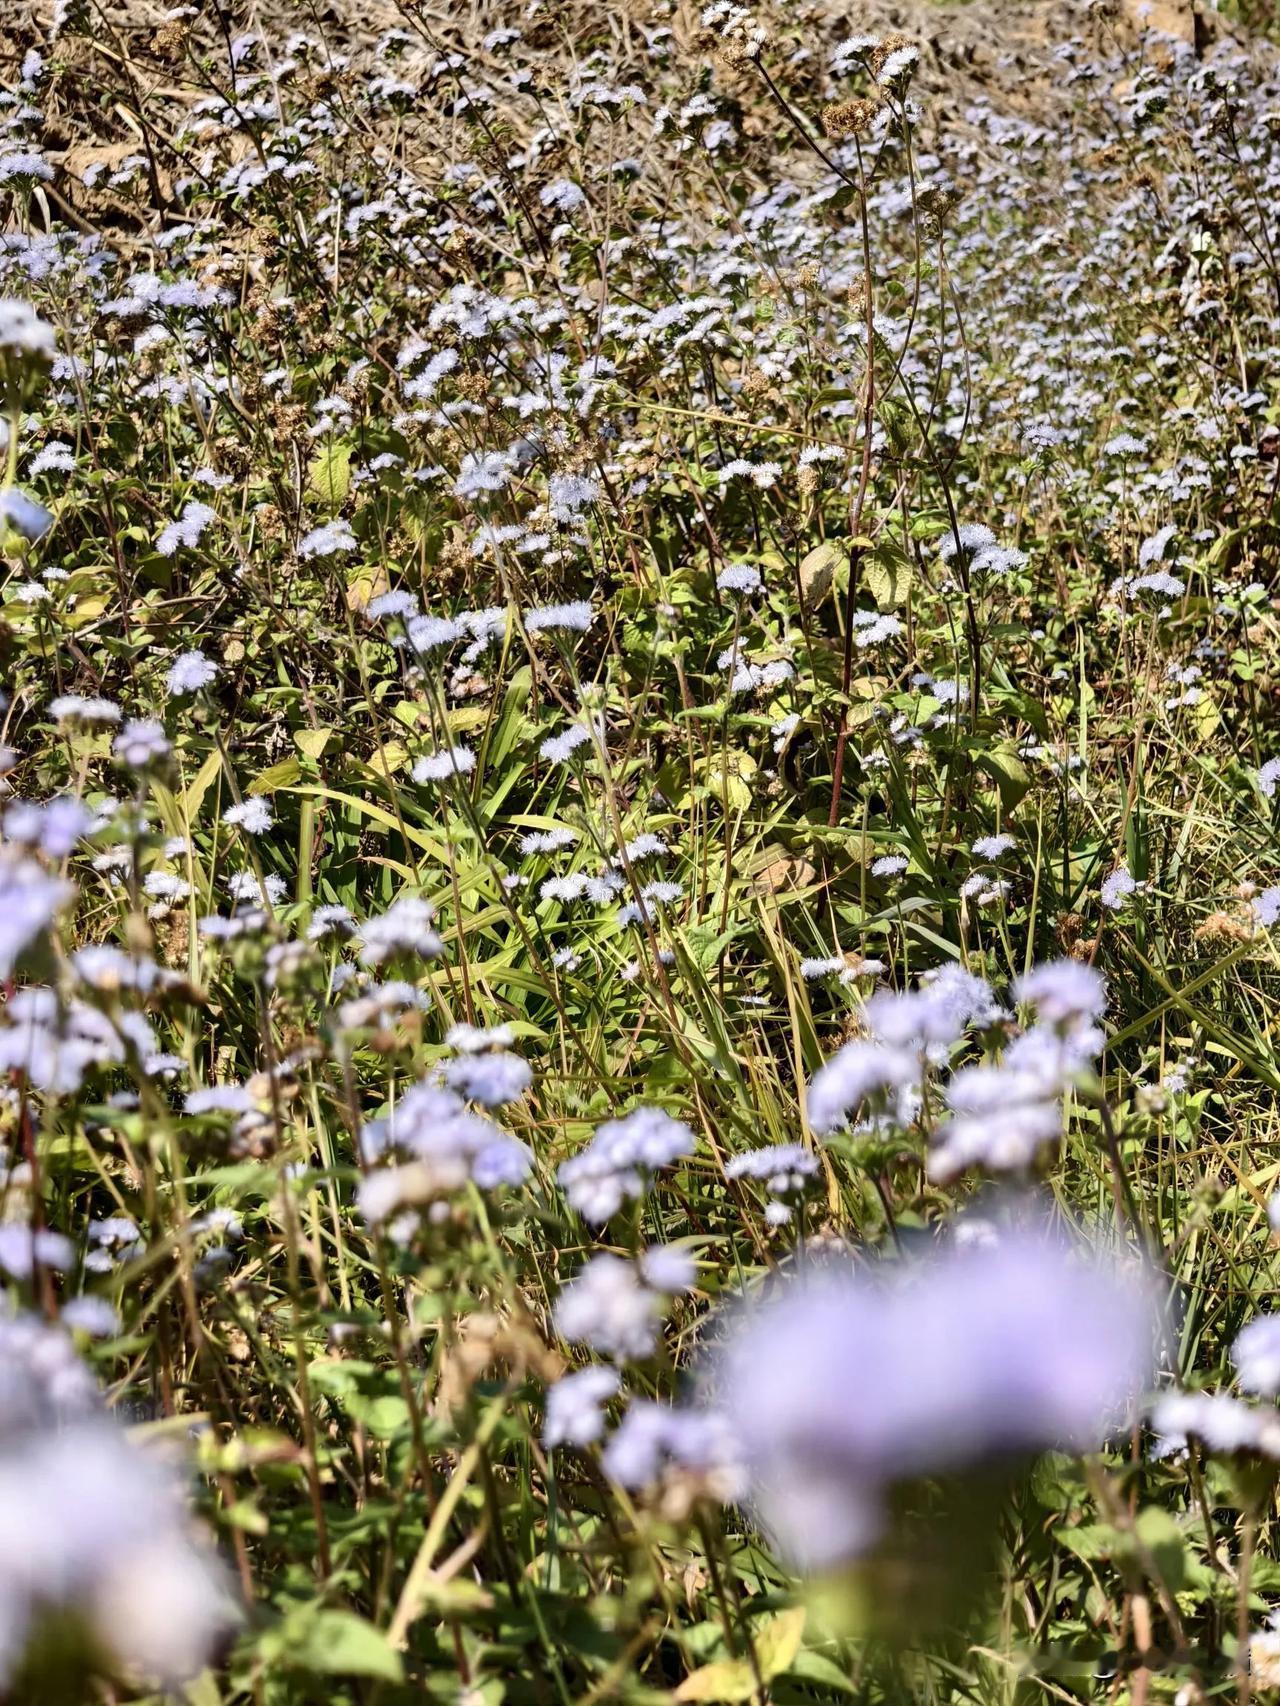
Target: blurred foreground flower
x,y
851,1385
98,1564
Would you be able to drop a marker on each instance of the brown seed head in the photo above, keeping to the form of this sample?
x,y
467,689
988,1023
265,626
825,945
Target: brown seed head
x,y
889,46
1068,928
1224,927
843,119
170,40
271,524
935,205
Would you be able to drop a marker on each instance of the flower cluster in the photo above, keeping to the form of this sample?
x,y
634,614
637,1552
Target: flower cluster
x,y
847,1385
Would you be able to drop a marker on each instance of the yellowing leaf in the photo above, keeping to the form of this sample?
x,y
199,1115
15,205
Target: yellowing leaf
x,y
203,1690
245,1514
280,775
783,872
818,572
388,758
329,476
730,781
86,611
779,1641
1204,714
888,573
312,742
457,1597
465,718
776,1647
727,1679
367,583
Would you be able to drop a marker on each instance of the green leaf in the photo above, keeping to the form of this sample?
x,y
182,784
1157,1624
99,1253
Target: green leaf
x,y
366,808
506,730
1091,1540
817,1667
1156,1536
384,1417
929,526
706,945
1009,772
888,573
338,1643
196,789
1162,1537
193,793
